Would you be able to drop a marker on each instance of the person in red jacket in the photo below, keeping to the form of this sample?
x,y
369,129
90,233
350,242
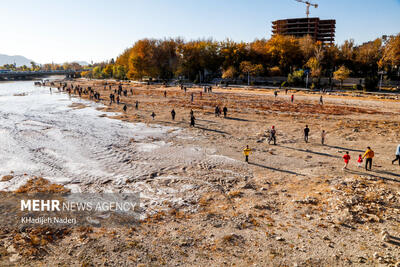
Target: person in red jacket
x,y
346,159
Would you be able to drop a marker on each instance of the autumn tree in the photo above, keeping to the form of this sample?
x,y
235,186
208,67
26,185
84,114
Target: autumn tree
x,y
141,59
233,54
197,57
341,74
391,53
258,53
307,46
367,57
229,73
285,52
347,53
314,63
250,69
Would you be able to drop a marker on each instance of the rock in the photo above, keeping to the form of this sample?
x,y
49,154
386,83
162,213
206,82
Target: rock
x,y
153,174
307,200
386,238
376,255
384,232
11,249
362,259
14,257
279,238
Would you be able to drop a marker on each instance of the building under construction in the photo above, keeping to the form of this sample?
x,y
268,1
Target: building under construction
x,y
319,30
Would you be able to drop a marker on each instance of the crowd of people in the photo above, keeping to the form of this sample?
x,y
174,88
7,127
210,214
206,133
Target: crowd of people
x,y
115,95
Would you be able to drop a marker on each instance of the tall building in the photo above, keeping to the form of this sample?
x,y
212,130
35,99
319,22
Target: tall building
x,y
319,30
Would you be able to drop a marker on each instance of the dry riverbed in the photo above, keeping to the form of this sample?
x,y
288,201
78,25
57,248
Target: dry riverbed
x,y
291,206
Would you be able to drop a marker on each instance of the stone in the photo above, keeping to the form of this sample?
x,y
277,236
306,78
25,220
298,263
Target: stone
x,y
386,238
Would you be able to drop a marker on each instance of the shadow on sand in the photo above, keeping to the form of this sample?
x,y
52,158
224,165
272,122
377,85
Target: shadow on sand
x,y
376,176
310,151
275,169
346,149
236,119
211,130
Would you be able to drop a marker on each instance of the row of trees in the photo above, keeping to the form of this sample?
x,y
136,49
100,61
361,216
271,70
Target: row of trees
x,y
46,67
202,60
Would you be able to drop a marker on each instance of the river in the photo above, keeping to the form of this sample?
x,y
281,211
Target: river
x,y
42,135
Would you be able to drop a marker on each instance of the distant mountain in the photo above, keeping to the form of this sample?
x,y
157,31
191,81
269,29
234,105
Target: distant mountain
x,y
18,60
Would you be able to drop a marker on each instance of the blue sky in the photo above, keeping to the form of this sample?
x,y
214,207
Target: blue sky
x,y
59,30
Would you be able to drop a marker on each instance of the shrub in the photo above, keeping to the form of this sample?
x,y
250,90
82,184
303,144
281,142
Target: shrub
x,y
296,77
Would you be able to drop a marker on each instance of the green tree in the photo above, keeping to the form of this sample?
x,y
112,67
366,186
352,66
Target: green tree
x,y
108,71
119,72
97,72
296,78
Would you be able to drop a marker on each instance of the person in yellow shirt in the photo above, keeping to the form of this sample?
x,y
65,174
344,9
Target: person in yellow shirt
x,y
369,154
247,152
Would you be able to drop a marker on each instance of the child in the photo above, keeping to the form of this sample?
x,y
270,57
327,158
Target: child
x,y
360,161
346,158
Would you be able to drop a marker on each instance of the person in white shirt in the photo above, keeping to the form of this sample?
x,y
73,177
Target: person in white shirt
x,y
397,155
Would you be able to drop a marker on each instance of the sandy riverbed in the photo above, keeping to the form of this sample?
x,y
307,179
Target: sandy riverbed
x,y
292,205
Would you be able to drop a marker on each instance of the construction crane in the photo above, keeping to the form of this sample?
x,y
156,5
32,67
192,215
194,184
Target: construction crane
x,y
308,6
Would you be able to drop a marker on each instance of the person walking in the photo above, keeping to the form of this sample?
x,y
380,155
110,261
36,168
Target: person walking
x,y
306,133
217,111
173,113
225,111
276,94
247,152
368,155
272,135
321,101
346,159
165,93
397,155
137,105
153,115
191,97
323,135
359,161
125,108
292,98
192,120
